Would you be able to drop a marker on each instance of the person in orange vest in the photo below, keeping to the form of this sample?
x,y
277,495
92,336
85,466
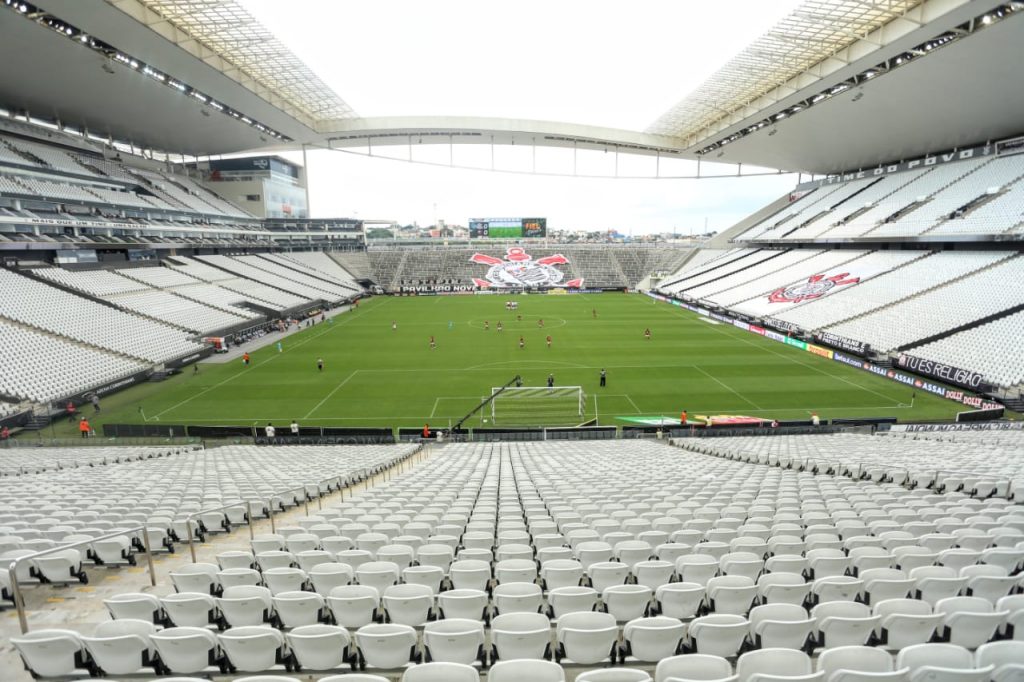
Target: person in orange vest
x,y
426,431
682,417
245,359
83,427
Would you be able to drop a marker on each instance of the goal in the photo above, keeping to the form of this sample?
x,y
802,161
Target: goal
x,y
538,405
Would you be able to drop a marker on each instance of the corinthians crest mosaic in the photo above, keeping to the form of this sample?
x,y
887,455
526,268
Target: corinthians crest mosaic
x,y
816,286
519,269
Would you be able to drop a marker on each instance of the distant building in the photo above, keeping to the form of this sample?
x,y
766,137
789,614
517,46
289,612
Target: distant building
x,y
266,186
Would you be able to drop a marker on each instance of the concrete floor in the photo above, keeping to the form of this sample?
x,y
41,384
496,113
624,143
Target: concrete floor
x,y
80,607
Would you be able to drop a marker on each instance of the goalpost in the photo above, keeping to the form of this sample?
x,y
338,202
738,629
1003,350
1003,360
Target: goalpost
x,y
538,405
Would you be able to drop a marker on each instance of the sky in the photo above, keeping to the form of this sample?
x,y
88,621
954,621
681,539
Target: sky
x,y
372,188
595,62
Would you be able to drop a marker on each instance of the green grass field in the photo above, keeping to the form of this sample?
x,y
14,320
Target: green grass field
x,y
376,376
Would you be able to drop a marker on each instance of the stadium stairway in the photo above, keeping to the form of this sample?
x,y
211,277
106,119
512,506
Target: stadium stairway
x,y
830,209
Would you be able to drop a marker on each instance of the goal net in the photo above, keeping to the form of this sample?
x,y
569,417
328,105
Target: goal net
x,y
538,405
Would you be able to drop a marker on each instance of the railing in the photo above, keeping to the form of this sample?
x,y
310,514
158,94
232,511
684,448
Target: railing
x,y
12,570
364,472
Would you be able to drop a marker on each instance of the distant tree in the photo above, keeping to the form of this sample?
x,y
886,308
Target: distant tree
x,y
379,233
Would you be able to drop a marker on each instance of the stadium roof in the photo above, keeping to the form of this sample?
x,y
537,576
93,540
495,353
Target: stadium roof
x,y
247,88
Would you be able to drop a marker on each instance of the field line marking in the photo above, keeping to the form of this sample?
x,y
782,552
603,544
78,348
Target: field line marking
x,y
327,397
255,365
436,401
631,402
727,387
794,360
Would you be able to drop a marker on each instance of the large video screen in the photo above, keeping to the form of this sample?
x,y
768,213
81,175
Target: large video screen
x,y
507,228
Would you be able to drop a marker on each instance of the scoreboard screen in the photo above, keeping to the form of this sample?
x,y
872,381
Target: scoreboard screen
x,y
507,228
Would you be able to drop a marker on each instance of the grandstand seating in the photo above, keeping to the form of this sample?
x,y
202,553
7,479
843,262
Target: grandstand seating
x,y
983,349
604,266
986,292
266,296
975,196
44,307
36,366
479,502
918,276
20,461
288,272
317,263
7,409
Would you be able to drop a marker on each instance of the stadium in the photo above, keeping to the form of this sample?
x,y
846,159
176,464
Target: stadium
x,y
245,437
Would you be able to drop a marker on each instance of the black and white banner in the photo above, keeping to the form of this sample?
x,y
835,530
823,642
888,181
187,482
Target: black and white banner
x,y
842,343
938,370
987,426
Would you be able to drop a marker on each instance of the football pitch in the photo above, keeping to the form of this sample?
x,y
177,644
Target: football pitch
x,y
375,375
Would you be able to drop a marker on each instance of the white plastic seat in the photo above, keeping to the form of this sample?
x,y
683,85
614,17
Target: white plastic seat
x,y
556,573
1007,657
592,552
970,621
270,559
245,605
935,583
189,609
515,571
252,648
784,626
827,562
694,668
295,609
454,640
746,564
517,598
941,663
353,557
783,588
563,600
50,652
186,650
60,567
428,576
280,580
232,577
353,606
137,605
319,647
586,637
470,574
386,646
523,670
653,573
441,672
859,664
718,634
121,647
198,577
837,588
627,602
881,584
408,604
310,558
842,623
696,568
521,635
652,639
614,675
325,577
604,574
764,665
732,594
465,603
680,600
1014,606
988,581
905,622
